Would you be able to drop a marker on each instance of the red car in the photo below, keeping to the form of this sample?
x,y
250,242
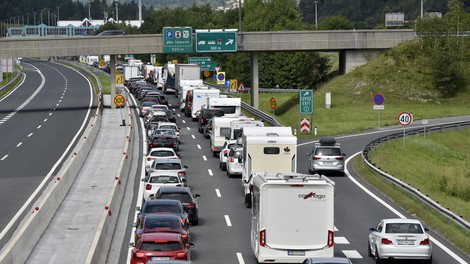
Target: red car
x,y
160,246
167,223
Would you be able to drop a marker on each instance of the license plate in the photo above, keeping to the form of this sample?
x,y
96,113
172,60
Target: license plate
x,y
160,258
296,253
327,163
406,242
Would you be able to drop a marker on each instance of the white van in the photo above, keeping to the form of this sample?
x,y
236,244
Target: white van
x,y
231,106
292,217
266,149
221,131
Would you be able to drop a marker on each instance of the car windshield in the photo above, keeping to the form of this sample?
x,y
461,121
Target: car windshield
x,y
182,197
162,208
160,246
168,127
163,140
328,152
168,166
167,223
403,228
162,153
163,179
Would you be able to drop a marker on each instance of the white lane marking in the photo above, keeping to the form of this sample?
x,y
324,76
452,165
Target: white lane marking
x,y
45,120
60,101
39,127
210,172
193,136
341,240
217,192
57,105
351,254
178,115
188,128
336,229
30,134
240,258
204,158
227,220
19,144
435,241
184,122
50,114
4,157
198,146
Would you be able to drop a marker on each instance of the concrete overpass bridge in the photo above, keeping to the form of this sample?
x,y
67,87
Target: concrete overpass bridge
x,y
354,46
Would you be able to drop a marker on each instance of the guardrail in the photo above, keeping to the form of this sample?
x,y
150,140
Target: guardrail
x,y
254,111
405,186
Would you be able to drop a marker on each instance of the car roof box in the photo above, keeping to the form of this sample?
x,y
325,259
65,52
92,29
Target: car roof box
x,y
327,141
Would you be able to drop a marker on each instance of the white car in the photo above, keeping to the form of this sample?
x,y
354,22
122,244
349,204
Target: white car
x,y
165,164
157,179
399,239
224,152
234,163
160,107
156,153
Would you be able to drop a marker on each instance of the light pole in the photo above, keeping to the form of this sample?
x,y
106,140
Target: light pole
x,y
421,8
117,11
48,17
58,15
240,16
316,14
41,15
34,16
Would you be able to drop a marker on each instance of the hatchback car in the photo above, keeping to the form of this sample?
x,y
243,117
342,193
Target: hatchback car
x,y
168,139
334,260
326,156
153,223
399,239
184,195
162,206
170,125
160,246
206,114
234,161
157,179
224,152
169,164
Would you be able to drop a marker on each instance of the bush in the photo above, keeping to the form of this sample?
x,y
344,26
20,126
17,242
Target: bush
x,y
287,105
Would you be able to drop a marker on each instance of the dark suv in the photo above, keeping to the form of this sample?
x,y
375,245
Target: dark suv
x,y
184,195
326,156
205,115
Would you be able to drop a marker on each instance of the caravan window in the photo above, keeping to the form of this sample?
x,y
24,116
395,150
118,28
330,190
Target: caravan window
x,y
271,150
228,109
237,133
225,132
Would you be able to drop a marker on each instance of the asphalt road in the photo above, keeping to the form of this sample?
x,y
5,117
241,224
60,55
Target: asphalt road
x,y
39,122
223,233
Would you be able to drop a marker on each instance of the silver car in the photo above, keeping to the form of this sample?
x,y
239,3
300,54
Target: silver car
x,y
234,162
334,260
399,239
326,156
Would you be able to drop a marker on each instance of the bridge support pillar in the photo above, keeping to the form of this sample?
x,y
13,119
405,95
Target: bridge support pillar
x,y
254,79
350,59
112,75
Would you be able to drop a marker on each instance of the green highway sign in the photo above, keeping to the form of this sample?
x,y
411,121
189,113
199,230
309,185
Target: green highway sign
x,y
216,41
177,39
306,102
205,63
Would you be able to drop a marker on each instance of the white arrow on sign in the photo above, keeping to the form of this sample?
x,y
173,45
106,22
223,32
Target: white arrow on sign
x,y
230,41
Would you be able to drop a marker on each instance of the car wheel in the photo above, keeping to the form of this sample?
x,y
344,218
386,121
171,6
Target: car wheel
x,y
224,166
377,257
369,251
196,221
248,200
428,261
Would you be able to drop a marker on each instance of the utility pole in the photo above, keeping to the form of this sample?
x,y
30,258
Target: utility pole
x,y
316,14
421,8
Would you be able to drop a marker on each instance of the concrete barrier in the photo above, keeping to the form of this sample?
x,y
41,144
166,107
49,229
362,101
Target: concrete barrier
x,y
30,231
105,230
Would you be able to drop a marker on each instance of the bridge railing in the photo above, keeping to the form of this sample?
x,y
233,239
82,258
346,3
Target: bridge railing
x,y
369,148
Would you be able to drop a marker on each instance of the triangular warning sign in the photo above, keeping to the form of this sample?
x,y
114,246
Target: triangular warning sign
x,y
241,88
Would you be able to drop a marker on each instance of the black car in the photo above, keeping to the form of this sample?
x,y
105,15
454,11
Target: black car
x,y
184,195
170,115
164,141
162,206
207,129
206,114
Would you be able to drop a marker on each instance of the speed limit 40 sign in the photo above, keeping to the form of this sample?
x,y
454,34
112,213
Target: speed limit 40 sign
x,y
405,118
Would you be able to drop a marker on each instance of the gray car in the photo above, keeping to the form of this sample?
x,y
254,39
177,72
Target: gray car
x,y
334,260
326,156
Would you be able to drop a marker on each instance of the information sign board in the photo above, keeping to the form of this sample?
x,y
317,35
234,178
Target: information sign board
x,y
177,39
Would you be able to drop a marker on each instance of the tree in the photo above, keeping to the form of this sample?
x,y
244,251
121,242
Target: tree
x,y
335,23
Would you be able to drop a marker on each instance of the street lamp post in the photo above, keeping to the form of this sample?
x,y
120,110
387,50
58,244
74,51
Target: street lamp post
x,y
239,15
421,8
316,14
58,15
117,11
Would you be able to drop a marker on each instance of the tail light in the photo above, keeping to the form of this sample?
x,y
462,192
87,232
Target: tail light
x,y
424,242
339,158
262,238
316,158
184,236
331,238
184,220
225,152
202,120
232,159
139,255
181,173
216,149
386,241
190,205
148,187
181,255
150,158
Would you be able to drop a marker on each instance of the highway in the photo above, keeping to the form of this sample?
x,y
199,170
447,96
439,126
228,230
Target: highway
x,y
223,234
39,122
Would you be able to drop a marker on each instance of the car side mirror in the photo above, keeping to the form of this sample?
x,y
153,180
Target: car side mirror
x,y
372,229
185,166
131,245
143,179
137,208
240,159
197,195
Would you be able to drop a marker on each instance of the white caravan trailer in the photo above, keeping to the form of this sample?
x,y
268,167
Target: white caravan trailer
x,y
231,106
183,90
236,127
292,217
266,149
221,131
199,100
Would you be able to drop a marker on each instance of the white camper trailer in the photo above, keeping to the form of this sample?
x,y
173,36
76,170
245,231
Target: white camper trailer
x,y
292,217
231,106
221,131
267,149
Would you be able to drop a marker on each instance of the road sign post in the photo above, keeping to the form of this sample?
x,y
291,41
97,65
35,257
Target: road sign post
x,y
378,103
216,40
305,105
404,119
120,101
177,39
273,104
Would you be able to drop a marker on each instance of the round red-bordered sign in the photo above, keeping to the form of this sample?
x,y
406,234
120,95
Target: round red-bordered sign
x,y
405,118
119,100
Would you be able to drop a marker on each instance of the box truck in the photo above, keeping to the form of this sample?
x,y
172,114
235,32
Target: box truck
x,y
231,106
197,99
130,72
292,217
168,78
266,149
186,72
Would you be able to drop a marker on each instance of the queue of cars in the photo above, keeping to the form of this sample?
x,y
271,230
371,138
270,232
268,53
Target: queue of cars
x,y
169,208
